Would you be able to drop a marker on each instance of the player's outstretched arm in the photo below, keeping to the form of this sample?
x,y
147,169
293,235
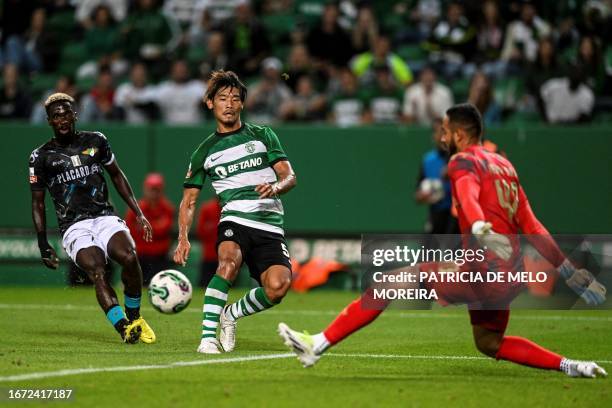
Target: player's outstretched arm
x,y
286,181
467,193
580,281
47,253
536,233
186,213
125,191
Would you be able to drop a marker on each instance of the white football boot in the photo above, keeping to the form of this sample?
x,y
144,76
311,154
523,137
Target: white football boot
x,y
227,330
302,344
209,346
589,369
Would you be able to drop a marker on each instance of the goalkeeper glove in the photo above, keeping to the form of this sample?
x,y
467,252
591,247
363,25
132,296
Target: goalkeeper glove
x,y
498,243
583,283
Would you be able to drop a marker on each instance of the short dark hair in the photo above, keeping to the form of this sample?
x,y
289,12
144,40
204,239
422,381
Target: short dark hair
x,y
467,116
221,79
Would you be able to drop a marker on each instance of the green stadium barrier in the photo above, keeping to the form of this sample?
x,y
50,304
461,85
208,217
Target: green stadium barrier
x,y
20,263
352,181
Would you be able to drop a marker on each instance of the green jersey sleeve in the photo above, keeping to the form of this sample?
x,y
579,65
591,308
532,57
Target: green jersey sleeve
x,y
196,175
275,150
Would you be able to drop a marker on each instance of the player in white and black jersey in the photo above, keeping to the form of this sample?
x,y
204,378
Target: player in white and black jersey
x,y
71,167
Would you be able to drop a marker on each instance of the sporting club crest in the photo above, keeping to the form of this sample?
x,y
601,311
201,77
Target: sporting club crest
x,y
250,147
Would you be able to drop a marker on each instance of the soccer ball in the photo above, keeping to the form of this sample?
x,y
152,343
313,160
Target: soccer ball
x,y
169,291
434,187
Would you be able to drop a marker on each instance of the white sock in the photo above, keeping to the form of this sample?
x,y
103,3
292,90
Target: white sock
x,y
320,343
227,312
566,366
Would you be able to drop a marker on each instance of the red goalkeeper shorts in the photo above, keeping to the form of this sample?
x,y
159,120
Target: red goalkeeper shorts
x,y
488,303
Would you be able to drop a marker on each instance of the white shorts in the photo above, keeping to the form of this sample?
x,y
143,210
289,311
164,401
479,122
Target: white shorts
x,y
92,232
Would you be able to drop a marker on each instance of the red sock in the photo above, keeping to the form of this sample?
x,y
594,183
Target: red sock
x,y
522,351
352,318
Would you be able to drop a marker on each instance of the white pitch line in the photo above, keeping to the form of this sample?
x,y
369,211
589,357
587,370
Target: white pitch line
x,y
36,306
409,315
407,356
91,370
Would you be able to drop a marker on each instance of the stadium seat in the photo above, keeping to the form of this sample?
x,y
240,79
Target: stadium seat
x,y
568,54
309,11
62,24
411,53
40,83
608,60
508,91
73,55
278,27
460,88
85,84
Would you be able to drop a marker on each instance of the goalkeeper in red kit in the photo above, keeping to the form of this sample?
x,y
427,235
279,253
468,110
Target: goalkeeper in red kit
x,y
492,206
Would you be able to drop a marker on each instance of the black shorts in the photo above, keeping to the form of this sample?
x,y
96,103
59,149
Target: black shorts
x,y
260,249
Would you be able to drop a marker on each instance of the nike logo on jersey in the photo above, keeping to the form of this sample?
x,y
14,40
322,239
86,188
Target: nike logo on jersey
x,y
212,159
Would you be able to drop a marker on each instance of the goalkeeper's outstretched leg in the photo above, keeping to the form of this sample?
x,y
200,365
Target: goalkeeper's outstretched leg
x,y
488,328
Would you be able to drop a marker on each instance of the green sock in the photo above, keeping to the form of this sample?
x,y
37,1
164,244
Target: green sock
x,y
214,300
253,302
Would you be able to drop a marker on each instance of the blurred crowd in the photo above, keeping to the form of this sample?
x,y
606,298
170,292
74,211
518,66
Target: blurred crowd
x,y
342,62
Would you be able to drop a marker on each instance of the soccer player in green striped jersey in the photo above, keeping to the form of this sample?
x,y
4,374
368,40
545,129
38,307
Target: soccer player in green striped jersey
x,y
249,171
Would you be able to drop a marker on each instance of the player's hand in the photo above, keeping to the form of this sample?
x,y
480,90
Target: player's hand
x,y
147,230
181,253
423,197
583,283
49,257
267,190
498,243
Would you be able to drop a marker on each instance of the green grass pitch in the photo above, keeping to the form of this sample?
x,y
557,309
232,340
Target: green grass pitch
x,y
405,358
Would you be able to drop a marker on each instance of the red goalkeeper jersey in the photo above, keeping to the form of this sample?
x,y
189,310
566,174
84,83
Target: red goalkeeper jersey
x,y
485,186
